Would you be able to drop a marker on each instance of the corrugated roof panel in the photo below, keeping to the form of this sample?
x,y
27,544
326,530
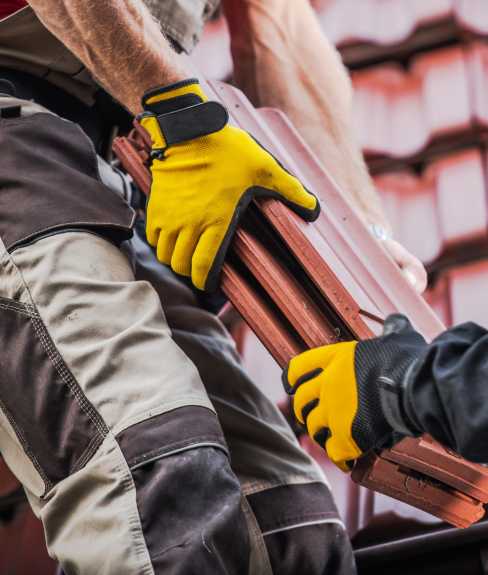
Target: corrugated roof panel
x,y
444,94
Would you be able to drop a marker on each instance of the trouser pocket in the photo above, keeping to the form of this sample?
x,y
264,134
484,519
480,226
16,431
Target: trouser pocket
x,y
50,182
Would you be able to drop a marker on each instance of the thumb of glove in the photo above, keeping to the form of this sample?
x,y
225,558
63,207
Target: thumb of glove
x,y
397,328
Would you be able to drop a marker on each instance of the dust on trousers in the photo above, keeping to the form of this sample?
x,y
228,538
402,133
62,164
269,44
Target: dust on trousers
x,y
141,443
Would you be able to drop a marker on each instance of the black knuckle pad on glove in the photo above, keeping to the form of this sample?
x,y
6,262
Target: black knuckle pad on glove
x,y
322,436
308,408
291,389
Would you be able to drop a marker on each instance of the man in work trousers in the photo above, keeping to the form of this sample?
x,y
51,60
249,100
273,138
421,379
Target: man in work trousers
x,y
114,392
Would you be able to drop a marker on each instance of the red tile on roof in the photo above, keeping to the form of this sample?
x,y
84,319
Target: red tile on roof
x,y
444,95
459,294
369,29
444,210
468,286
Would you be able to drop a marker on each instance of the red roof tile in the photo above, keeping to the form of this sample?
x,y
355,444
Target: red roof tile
x,y
459,295
468,286
442,97
371,29
444,210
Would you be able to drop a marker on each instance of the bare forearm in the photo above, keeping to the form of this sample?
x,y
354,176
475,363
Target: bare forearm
x,y
117,40
282,59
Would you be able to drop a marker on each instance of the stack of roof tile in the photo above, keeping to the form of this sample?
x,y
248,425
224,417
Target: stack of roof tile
x,y
441,214
438,103
374,30
420,72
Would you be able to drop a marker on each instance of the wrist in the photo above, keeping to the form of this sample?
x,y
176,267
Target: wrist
x,y
393,398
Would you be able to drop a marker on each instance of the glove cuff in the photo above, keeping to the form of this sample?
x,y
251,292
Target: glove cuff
x,y
393,403
173,97
179,113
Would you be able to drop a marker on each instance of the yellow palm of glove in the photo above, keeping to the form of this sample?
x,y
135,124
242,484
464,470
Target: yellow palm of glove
x,y
200,189
326,398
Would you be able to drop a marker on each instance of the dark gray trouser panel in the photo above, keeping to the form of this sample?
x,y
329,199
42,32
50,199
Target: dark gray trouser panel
x,y
322,549
299,537
50,170
188,498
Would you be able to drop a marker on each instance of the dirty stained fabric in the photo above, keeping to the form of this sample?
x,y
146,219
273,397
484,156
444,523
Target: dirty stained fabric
x,y
140,441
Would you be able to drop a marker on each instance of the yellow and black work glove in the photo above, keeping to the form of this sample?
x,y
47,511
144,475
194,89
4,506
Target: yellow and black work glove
x,y
350,395
205,173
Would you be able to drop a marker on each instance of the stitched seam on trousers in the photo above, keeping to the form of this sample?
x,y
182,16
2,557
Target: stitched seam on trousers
x,y
20,435
158,456
303,518
261,555
134,519
331,521
186,400
194,441
257,486
61,368
13,306
88,453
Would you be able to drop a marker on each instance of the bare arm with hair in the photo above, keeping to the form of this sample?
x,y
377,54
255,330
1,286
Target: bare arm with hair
x,y
282,59
117,40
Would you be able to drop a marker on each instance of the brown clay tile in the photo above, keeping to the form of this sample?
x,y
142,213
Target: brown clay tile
x,y
372,30
468,286
439,102
417,489
443,212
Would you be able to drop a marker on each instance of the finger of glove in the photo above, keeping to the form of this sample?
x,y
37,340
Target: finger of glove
x,y
342,451
308,365
166,246
297,197
317,419
181,260
306,394
204,256
399,324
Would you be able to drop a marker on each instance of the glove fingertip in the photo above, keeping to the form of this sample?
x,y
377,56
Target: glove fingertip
x,y
284,380
306,213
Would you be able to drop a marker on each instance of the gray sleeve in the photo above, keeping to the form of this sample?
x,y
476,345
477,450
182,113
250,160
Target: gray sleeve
x,y
182,21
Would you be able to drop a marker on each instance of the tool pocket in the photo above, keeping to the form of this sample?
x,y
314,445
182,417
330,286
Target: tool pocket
x,y
50,182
